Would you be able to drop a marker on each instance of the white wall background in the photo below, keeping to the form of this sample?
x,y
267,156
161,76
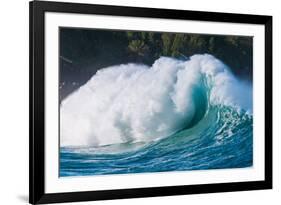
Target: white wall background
x,y
14,100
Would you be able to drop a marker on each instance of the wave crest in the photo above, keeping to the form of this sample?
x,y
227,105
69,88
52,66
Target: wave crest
x,y
137,103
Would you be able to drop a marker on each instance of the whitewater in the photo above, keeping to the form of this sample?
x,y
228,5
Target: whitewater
x,y
157,118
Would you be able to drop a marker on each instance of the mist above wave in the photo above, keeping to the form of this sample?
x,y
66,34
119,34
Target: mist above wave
x,y
137,103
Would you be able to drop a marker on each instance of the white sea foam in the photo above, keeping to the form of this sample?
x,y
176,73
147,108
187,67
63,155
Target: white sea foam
x,y
137,103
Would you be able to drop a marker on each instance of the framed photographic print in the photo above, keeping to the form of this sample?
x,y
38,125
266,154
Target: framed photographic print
x,y
140,102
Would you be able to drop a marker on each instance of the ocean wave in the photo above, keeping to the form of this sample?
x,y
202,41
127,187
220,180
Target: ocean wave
x,y
135,103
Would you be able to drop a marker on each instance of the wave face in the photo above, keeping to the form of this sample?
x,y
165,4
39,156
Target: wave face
x,y
174,115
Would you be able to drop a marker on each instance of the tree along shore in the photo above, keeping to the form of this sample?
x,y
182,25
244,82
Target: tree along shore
x,y
84,51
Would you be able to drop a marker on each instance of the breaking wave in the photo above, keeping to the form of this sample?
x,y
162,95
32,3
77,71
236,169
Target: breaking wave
x,y
135,103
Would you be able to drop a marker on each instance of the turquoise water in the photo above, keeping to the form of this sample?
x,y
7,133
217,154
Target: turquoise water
x,y
223,138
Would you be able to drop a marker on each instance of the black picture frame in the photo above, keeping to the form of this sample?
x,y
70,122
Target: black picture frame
x,y
37,11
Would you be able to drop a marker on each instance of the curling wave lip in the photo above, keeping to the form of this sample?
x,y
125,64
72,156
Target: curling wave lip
x,y
136,103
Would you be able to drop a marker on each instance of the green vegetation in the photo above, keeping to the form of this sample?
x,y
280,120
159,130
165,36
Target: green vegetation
x,y
235,51
113,47
84,51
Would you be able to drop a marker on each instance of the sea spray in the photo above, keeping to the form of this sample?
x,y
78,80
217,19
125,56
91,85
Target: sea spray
x,y
136,103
